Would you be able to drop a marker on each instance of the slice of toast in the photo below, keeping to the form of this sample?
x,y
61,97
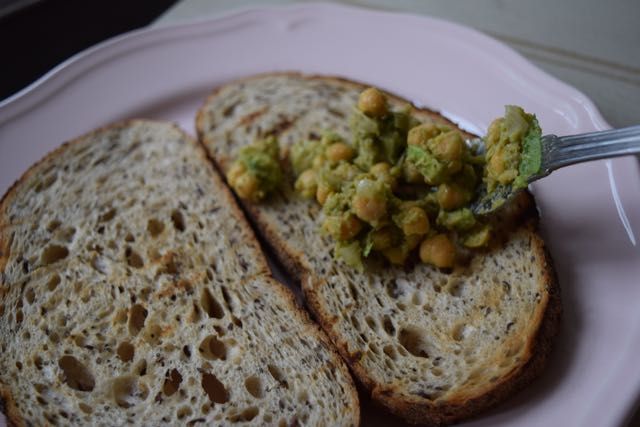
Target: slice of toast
x,y
132,291
432,347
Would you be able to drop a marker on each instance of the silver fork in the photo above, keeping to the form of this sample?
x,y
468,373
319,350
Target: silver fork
x,y
561,151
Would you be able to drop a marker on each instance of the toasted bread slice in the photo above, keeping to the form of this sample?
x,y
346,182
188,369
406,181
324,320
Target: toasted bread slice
x,y
432,347
132,291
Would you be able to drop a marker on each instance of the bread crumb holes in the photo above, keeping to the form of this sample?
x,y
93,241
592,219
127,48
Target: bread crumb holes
x,y
54,253
126,351
172,382
213,349
253,384
75,374
155,227
178,220
413,339
128,391
137,317
210,305
214,388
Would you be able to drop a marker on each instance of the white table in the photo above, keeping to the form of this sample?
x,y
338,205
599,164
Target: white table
x,y
591,44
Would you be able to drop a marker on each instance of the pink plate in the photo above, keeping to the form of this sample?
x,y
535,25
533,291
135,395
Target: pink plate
x,y
593,376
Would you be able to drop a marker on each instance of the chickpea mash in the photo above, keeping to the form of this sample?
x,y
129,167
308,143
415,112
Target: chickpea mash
x,y
513,149
400,187
256,172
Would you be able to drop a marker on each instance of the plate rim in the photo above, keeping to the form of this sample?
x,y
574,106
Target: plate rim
x,y
48,84
53,81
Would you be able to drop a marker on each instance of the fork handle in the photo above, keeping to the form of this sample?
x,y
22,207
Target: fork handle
x,y
569,150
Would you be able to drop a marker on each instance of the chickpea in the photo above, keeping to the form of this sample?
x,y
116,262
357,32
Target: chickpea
x,y
317,162
411,175
246,185
411,242
342,227
452,196
382,172
339,151
373,103
497,164
438,250
380,168
478,238
236,169
350,227
369,203
449,147
420,134
382,239
322,193
345,172
395,255
369,209
493,133
414,221
306,184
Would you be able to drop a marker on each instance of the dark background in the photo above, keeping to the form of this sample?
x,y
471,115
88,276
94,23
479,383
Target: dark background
x,y
37,35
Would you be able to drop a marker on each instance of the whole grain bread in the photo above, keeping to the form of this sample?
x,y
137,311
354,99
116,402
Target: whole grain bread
x,y
432,347
132,291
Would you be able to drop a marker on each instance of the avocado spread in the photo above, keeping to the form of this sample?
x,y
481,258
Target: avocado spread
x,y
399,186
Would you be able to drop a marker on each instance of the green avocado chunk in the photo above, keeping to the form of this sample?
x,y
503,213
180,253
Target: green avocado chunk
x,y
426,164
531,160
458,220
379,139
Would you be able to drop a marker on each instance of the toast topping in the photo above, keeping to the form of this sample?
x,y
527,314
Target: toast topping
x,y
431,346
400,187
257,171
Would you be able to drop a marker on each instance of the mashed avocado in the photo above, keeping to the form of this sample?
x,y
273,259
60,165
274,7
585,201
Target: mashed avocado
x,y
400,188
379,139
513,149
256,172
397,186
531,159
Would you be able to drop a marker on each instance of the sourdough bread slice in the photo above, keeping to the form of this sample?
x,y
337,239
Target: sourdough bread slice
x,y
133,291
432,347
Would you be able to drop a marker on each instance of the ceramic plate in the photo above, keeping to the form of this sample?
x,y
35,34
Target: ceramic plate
x,y
593,377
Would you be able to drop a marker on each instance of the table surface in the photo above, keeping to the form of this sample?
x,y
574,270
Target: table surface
x,y
590,44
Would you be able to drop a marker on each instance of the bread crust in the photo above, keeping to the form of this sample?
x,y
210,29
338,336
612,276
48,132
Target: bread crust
x,y
7,402
8,407
416,409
